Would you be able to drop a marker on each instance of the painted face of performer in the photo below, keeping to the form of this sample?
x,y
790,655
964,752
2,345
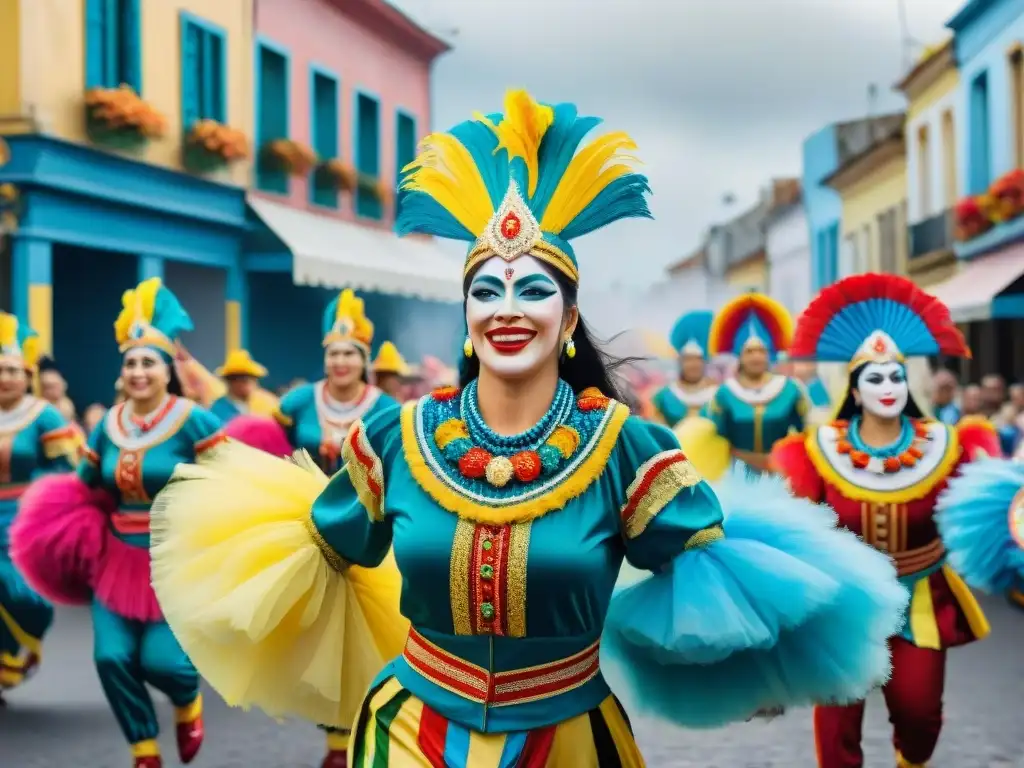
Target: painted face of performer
x,y
754,360
691,367
144,374
517,317
344,364
13,380
882,389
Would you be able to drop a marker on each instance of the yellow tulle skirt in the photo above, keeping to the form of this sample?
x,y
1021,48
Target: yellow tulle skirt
x,y
704,447
251,598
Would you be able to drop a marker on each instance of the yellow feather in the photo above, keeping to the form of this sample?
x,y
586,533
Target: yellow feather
x,y
446,172
521,130
31,351
8,330
136,304
586,177
353,309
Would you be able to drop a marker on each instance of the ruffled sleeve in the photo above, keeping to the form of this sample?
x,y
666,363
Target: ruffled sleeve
x,y
756,600
257,565
59,442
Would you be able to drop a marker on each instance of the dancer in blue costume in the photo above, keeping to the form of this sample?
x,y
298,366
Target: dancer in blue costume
x,y
511,504
34,440
693,390
756,408
129,458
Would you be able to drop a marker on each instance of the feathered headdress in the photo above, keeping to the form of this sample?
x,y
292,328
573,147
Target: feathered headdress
x,y
751,320
690,333
19,341
345,320
151,316
876,318
514,184
390,360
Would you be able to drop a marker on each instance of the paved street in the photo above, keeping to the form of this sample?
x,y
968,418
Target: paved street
x,y
60,719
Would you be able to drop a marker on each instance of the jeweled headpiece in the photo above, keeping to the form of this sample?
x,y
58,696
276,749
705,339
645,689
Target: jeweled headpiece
x,y
751,320
875,318
151,316
19,341
690,333
514,184
345,321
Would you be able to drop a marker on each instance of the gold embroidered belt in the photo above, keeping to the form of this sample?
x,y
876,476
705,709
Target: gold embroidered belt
x,y
130,523
500,689
913,561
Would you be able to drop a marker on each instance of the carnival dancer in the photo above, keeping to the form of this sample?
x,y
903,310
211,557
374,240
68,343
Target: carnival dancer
x,y
389,369
881,466
511,504
232,390
755,408
35,439
693,390
86,538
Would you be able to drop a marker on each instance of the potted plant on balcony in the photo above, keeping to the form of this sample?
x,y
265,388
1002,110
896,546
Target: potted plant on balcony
x,y
338,174
119,118
1007,193
375,187
973,217
210,146
290,156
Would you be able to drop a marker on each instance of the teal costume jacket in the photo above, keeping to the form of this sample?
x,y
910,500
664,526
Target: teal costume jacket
x,y
674,403
753,420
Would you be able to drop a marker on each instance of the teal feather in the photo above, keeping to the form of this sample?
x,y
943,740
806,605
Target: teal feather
x,y
420,213
169,317
493,165
624,198
557,149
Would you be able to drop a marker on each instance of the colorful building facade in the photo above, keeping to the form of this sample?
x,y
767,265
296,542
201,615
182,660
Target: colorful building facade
x,y
341,100
113,186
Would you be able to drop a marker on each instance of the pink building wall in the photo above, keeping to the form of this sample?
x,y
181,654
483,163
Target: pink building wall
x,y
365,55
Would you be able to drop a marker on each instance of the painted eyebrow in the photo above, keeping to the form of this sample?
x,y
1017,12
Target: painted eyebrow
x,y
534,278
487,280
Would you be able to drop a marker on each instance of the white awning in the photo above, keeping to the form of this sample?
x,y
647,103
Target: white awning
x,y
969,293
333,253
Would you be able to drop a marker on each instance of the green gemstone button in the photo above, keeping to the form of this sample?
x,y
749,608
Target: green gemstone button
x,y
487,611
486,571
487,544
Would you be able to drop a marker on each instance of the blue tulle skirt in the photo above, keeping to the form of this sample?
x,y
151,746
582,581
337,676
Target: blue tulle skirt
x,y
973,515
786,610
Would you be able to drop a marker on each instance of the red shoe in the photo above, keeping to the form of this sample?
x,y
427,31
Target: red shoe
x,y
190,739
152,761
336,758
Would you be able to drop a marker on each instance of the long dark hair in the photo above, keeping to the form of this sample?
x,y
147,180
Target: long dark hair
x,y
590,367
849,408
174,386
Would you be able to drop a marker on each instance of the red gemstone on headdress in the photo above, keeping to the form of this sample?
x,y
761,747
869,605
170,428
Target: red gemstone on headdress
x,y
510,226
879,345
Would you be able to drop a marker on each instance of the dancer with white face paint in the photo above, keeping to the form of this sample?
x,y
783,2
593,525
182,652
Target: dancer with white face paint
x,y
693,389
511,503
881,465
87,538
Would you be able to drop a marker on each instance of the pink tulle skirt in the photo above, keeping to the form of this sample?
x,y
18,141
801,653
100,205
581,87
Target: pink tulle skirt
x,y
261,433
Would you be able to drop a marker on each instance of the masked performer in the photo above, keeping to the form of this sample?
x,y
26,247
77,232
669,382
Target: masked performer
x,y
87,537
754,409
34,440
694,389
511,503
881,466
389,369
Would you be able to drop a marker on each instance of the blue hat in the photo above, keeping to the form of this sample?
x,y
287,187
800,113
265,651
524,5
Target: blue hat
x,y
690,333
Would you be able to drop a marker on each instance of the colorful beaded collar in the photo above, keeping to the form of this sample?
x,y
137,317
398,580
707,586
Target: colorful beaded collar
x,y
904,453
474,472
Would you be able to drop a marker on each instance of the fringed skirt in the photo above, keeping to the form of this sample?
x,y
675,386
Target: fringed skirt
x,y
397,730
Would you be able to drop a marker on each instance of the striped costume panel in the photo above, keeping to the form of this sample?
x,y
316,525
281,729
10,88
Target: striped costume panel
x,y
397,730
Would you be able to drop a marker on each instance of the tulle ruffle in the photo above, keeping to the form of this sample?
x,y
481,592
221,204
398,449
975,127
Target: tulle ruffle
x,y
259,432
785,611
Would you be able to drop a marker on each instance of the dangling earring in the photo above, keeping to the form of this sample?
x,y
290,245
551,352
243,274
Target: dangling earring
x,y
570,348
467,347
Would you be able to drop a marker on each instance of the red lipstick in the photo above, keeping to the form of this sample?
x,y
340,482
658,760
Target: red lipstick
x,y
510,340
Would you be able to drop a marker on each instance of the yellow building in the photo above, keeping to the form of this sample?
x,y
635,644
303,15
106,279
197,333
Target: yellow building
x,y
749,274
873,188
115,187
931,131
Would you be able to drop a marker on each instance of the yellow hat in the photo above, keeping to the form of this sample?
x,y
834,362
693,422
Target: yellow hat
x,y
390,360
240,363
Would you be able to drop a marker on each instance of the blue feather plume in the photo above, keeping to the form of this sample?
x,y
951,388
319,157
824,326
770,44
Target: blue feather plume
x,y
693,326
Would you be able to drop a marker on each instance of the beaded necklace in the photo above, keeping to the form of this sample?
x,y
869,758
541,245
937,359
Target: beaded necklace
x,y
905,451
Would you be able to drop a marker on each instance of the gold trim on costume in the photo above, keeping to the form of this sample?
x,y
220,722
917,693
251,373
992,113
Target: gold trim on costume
x,y
515,579
365,470
333,558
657,481
704,538
458,576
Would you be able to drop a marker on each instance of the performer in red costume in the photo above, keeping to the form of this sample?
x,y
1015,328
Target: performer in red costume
x,y
881,466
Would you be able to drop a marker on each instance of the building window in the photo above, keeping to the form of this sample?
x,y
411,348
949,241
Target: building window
x,y
112,47
949,158
271,114
867,250
405,150
203,87
979,174
1017,105
324,120
368,153
924,172
849,262
887,241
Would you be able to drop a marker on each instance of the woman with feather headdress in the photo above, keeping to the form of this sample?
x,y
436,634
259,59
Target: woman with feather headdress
x,y
692,390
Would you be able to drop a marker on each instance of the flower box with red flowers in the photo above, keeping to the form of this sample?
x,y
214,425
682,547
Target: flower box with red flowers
x,y
1007,193
289,156
120,118
210,145
972,217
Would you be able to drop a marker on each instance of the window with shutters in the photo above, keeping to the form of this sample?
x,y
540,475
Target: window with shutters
x,y
271,112
368,153
405,150
324,121
887,247
112,44
203,93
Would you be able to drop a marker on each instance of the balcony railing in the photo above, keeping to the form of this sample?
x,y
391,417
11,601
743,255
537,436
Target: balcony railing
x,y
932,234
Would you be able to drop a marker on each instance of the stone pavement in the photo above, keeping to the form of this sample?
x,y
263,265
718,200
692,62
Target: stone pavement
x,y
60,720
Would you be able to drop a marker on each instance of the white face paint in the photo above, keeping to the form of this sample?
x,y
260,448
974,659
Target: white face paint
x,y
514,312
883,389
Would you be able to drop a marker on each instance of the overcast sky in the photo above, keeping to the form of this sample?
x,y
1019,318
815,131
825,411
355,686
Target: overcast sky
x,y
719,94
